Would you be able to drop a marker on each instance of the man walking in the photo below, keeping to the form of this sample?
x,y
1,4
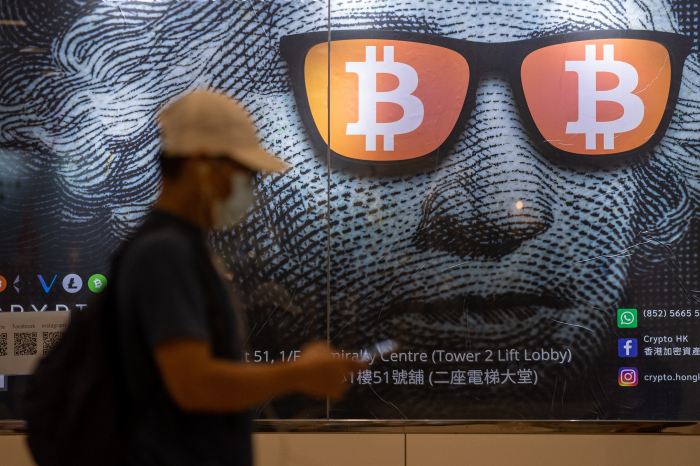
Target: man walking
x,y
179,335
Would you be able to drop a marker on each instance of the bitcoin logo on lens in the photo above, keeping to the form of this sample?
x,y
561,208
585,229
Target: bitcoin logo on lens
x,y
589,96
97,283
368,97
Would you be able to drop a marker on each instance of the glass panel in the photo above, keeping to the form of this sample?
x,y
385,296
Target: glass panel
x,y
500,271
503,277
82,83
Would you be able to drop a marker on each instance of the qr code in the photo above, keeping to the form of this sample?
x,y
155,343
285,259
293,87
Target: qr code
x,y
50,341
25,344
3,344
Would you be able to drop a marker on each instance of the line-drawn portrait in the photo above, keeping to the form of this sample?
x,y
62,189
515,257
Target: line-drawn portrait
x,y
498,244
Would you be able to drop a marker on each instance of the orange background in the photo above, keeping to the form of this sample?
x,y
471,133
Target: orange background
x,y
552,92
443,77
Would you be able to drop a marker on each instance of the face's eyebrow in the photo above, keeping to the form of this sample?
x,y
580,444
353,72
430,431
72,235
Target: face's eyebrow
x,y
567,27
383,20
563,28
506,21
390,20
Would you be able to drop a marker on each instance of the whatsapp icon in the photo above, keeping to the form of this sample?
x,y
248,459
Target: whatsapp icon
x,y
627,318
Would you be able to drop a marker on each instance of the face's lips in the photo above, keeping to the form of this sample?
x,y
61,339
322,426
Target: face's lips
x,y
418,321
498,309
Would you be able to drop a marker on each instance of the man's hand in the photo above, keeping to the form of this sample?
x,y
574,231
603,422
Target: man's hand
x,y
199,382
320,374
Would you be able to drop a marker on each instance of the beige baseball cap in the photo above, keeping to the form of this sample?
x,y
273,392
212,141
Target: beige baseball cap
x,y
211,123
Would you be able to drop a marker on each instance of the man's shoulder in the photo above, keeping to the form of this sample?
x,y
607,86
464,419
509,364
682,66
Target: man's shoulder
x,y
161,243
162,231
167,237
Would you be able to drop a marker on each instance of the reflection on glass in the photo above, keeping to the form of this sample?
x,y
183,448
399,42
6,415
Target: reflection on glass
x,y
497,264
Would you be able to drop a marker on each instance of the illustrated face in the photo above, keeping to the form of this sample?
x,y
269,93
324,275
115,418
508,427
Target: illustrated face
x,y
498,246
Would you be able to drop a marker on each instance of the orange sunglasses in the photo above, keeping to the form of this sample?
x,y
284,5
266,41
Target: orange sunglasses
x,y
398,100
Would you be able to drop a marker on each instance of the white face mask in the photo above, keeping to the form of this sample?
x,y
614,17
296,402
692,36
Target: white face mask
x,y
228,212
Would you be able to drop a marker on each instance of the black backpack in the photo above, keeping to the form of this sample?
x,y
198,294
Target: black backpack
x,y
77,405
75,402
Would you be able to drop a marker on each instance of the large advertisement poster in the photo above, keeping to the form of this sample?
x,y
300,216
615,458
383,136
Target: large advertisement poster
x,y
495,202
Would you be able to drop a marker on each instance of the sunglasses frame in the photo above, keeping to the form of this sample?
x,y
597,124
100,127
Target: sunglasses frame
x,y
484,58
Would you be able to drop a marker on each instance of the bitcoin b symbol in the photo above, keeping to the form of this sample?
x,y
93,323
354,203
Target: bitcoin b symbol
x,y
368,97
588,96
97,283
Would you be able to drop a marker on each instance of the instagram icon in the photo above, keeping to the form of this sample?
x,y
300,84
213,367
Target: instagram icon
x,y
627,376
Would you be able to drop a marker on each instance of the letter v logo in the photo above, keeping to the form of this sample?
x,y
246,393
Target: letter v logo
x,y
46,288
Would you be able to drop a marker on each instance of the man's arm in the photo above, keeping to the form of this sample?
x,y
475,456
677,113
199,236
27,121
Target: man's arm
x,y
197,381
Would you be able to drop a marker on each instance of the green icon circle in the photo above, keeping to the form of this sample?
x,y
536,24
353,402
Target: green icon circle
x,y
97,283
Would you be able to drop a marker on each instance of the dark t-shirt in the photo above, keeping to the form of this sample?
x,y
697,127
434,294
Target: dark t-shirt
x,y
168,288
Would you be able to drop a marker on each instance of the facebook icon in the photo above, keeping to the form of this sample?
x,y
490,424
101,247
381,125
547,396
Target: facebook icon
x,y
627,347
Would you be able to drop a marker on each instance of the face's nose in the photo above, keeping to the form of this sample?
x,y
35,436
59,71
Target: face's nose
x,y
495,191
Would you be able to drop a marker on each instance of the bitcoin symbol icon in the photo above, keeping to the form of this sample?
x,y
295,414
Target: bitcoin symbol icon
x,y
97,283
369,97
588,96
